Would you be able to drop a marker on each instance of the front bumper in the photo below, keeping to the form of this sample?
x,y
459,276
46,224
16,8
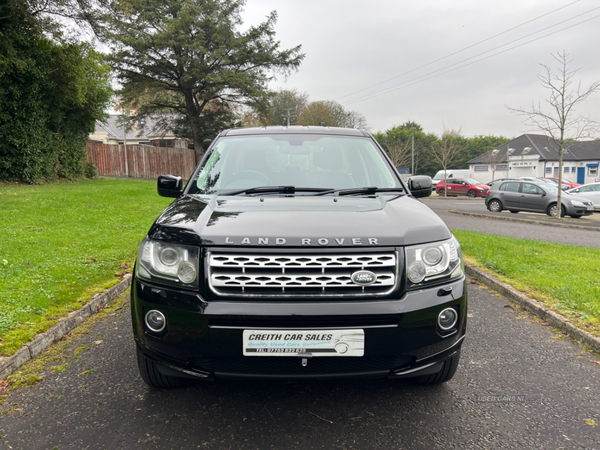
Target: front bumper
x,y
203,340
578,210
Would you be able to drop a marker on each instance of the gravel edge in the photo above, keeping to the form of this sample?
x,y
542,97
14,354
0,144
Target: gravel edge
x,y
536,308
9,364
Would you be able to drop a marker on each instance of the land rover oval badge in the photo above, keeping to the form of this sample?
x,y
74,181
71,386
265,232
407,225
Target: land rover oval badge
x,y
364,277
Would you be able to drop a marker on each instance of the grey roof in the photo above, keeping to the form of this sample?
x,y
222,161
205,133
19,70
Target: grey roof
x,y
543,146
114,127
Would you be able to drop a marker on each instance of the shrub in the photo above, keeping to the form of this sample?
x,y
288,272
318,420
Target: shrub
x,y
90,170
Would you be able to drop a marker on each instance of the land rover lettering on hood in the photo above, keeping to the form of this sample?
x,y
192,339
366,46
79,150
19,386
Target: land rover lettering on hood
x,y
297,252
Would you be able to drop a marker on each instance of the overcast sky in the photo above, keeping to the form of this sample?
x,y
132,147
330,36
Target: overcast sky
x,y
352,45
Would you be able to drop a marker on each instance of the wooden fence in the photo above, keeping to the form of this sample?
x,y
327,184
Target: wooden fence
x,y
144,161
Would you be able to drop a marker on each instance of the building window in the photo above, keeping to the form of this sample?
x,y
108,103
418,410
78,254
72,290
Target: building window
x,y
566,170
481,168
573,169
548,169
593,171
501,166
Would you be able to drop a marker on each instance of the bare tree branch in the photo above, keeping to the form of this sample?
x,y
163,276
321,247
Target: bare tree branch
x,y
562,129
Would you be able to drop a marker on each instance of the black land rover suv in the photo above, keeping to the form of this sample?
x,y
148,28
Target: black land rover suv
x,y
297,252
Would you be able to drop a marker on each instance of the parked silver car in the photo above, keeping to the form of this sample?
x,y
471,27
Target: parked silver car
x,y
520,195
589,191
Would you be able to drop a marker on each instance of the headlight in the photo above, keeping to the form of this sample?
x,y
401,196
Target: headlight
x,y
577,203
166,263
431,263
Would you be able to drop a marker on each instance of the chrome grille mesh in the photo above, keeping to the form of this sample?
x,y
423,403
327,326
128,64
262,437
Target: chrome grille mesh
x,y
307,275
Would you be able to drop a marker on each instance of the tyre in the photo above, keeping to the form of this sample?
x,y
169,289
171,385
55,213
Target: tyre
x,y
495,206
445,374
553,210
471,194
441,192
513,211
152,377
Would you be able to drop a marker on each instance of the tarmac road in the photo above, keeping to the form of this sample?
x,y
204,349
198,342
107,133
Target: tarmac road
x,y
518,386
570,236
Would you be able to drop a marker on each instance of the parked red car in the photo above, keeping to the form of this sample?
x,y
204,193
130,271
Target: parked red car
x,y
462,186
565,181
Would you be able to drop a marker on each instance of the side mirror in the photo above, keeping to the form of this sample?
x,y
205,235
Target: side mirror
x,y
170,186
420,186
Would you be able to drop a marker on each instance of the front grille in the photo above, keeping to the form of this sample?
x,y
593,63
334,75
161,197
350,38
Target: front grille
x,y
272,365
300,275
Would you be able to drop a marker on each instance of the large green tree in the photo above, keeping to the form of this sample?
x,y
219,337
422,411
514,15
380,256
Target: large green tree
x,y
329,113
285,106
189,58
397,142
51,93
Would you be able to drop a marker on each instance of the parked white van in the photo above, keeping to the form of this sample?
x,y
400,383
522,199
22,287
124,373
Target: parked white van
x,y
452,173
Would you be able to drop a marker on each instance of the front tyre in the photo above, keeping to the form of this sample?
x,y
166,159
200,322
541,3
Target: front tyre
x,y
553,210
152,377
445,374
495,206
471,194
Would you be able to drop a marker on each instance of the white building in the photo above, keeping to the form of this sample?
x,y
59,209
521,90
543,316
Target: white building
x,y
532,155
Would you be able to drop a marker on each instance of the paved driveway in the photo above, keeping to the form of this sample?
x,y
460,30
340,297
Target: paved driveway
x,y
518,386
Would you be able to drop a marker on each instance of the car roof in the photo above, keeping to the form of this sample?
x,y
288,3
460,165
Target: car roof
x,y
295,129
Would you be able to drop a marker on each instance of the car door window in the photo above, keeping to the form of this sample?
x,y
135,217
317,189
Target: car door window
x,y
510,187
531,189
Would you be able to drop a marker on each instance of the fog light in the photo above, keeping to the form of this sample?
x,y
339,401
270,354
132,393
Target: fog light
x,y
155,321
447,319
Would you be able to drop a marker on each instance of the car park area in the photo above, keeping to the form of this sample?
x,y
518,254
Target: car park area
x,y
471,214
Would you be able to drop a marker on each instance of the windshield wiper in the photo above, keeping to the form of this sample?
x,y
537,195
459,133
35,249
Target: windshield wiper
x,y
369,190
275,190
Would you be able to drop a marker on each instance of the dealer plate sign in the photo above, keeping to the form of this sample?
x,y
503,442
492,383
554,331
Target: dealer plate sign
x,y
303,342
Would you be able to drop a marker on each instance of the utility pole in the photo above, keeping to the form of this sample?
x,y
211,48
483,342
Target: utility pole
x,y
412,170
288,116
125,143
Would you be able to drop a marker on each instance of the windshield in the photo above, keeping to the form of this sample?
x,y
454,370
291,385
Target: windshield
x,y
472,181
303,161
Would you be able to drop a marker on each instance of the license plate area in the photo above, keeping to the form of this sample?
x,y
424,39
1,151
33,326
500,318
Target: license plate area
x,y
314,343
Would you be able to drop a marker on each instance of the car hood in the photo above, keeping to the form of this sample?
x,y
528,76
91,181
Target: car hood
x,y
321,221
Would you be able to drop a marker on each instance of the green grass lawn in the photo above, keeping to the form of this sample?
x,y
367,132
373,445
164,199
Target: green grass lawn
x,y
61,243
564,277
